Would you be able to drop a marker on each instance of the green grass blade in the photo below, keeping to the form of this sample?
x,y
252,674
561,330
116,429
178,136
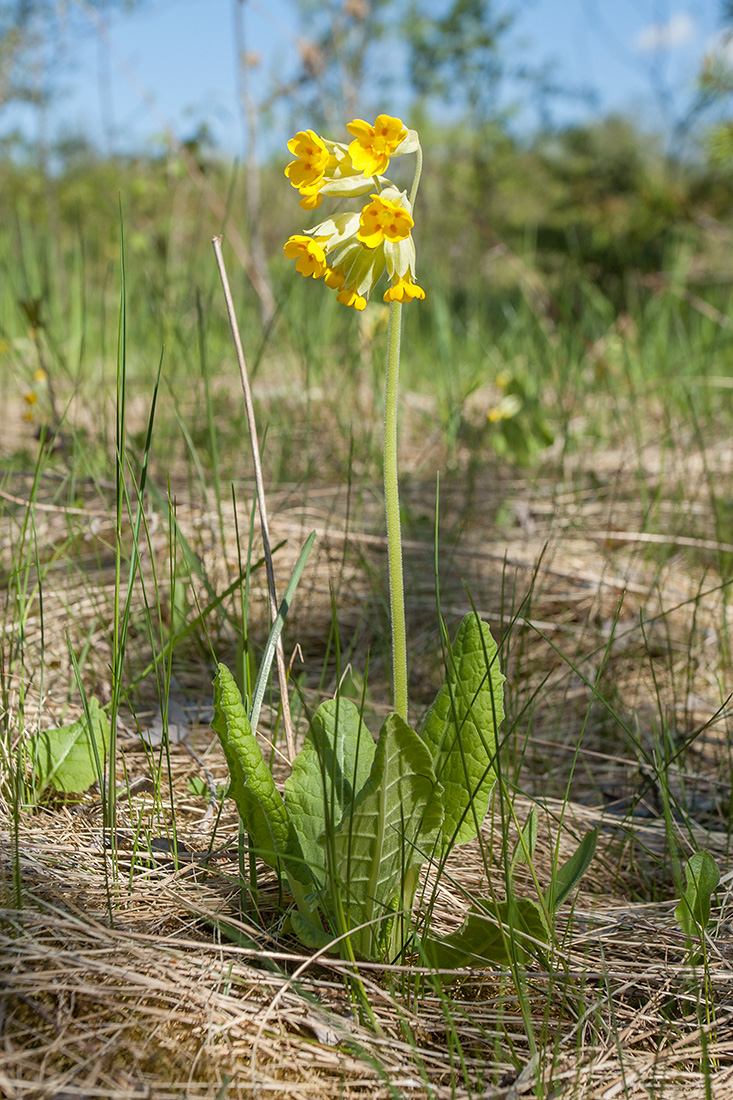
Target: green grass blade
x,y
275,631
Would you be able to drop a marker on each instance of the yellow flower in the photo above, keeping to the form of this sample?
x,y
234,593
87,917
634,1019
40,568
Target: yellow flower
x,y
30,398
351,251
323,168
403,290
311,197
383,220
507,408
334,278
308,254
374,145
40,375
312,156
348,296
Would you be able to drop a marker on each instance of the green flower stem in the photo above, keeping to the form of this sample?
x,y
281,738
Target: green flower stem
x,y
392,493
392,507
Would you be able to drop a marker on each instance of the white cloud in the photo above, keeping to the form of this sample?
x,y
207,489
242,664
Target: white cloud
x,y
677,31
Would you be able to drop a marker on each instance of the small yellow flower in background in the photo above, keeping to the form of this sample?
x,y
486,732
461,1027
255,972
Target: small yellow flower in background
x,y
40,375
30,399
507,408
383,220
503,379
308,254
374,145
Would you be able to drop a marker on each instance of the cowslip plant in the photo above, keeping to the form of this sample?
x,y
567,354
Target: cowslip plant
x,y
358,817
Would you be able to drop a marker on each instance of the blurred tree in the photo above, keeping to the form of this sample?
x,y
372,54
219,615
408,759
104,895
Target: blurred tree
x,y
458,58
30,31
247,61
342,73
716,88
611,202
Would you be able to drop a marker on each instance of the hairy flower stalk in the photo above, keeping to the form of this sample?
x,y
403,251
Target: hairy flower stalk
x,y
350,252
392,510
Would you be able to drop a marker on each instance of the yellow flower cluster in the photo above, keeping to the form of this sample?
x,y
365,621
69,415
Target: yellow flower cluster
x,y
351,251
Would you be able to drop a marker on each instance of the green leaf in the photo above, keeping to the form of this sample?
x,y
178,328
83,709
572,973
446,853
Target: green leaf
x,y
494,932
69,758
572,871
253,789
394,822
328,773
528,840
460,730
312,935
198,786
693,910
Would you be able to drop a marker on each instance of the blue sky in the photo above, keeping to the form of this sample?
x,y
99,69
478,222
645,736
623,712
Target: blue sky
x,y
172,64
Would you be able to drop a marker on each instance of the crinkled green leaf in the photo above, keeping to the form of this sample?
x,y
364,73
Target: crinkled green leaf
x,y
394,822
65,757
572,871
693,910
328,773
461,727
489,934
253,789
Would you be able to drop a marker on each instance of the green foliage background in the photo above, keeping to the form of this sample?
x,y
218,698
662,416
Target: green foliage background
x,y
573,263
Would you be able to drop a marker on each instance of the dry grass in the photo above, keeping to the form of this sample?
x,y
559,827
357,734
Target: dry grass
x,y
153,1003
117,983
